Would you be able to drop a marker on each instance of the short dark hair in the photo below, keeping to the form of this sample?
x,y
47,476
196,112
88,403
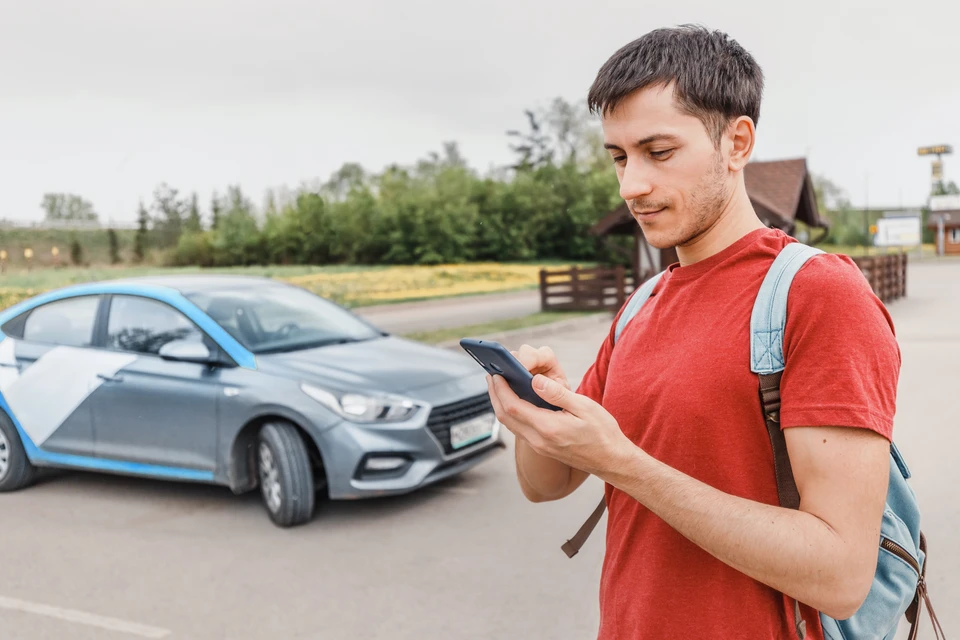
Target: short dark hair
x,y
714,78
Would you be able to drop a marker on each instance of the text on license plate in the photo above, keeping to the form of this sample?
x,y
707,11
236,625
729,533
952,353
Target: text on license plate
x,y
472,430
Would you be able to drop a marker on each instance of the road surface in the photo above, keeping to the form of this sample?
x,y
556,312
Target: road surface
x,y
88,556
451,312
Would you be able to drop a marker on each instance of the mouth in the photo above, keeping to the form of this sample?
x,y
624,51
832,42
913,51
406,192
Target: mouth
x,y
644,216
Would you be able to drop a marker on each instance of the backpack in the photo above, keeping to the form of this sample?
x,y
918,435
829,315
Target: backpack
x,y
899,583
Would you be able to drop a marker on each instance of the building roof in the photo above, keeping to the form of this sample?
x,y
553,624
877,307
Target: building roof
x,y
781,192
951,219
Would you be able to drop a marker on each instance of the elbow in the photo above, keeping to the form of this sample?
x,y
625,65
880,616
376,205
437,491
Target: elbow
x,y
532,495
847,595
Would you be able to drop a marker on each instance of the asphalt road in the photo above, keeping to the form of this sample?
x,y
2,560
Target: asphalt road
x,y
451,312
87,556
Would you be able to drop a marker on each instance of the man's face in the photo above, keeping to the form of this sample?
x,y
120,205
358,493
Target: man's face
x,y
672,177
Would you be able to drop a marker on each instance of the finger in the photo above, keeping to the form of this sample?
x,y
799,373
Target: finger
x,y
528,357
557,394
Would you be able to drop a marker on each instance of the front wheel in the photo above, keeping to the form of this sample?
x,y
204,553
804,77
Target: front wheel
x,y
286,478
16,471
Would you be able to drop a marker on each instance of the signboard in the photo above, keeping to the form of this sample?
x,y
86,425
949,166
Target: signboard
x,y
937,150
944,203
898,232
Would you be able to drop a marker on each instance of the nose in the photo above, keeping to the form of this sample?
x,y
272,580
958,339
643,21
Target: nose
x,y
635,181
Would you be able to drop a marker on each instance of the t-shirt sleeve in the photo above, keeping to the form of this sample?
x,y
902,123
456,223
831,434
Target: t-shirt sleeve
x,y
842,357
595,379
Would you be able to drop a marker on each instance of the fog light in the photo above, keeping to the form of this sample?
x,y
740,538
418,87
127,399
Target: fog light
x,y
384,463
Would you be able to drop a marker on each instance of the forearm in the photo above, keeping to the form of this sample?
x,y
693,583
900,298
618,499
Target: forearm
x,y
543,478
791,551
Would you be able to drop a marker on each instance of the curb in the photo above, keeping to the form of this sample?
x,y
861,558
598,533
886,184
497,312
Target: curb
x,y
538,331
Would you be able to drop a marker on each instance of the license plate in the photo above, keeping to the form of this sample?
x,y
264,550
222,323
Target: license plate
x,y
472,430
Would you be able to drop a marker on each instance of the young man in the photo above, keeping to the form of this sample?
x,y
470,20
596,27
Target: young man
x,y
697,545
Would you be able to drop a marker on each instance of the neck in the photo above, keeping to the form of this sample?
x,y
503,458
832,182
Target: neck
x,y
737,218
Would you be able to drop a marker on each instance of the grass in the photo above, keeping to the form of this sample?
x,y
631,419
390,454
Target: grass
x,y
498,326
351,285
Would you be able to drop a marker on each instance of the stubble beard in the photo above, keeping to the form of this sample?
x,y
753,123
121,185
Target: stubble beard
x,y
705,206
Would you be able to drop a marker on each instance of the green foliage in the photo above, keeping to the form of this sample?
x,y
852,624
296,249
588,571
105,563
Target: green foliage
x,y
76,250
114,244
140,240
67,207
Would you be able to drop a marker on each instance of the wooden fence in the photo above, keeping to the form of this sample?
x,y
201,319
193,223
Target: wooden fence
x,y
607,288
577,289
886,274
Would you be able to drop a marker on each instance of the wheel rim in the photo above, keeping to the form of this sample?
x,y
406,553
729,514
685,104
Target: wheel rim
x,y
269,478
4,455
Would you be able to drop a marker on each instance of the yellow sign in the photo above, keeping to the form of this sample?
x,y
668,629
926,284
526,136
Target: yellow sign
x,y
55,251
3,254
873,228
937,150
28,253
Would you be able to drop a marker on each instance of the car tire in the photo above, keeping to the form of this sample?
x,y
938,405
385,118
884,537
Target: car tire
x,y
285,475
16,472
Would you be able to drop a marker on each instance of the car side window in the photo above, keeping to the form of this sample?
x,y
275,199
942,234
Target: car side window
x,y
67,322
144,326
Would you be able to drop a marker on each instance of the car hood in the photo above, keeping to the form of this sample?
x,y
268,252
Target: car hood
x,y
388,364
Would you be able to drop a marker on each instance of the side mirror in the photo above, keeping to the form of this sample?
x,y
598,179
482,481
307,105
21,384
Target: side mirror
x,y
187,351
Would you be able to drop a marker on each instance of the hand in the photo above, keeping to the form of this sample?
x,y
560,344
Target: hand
x,y
543,361
584,435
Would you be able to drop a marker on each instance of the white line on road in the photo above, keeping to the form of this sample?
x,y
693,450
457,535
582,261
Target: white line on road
x,y
80,617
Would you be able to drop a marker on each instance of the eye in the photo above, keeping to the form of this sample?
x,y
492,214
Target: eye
x,y
619,159
661,155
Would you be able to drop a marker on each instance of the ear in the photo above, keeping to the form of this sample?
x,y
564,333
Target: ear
x,y
741,136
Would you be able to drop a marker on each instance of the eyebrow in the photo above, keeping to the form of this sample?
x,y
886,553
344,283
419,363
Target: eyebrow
x,y
645,141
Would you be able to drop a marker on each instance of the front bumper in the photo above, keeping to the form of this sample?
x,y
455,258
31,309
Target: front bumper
x,y
421,441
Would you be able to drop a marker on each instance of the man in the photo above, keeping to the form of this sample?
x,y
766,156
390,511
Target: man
x,y
697,545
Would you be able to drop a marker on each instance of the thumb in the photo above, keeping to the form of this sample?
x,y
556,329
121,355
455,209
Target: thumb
x,y
553,392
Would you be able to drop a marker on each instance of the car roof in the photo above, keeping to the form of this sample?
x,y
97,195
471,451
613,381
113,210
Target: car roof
x,y
198,283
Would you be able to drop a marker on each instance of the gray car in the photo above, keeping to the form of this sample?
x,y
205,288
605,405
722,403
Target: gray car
x,y
237,381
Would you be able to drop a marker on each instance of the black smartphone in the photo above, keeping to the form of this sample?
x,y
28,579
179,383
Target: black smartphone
x,y
496,359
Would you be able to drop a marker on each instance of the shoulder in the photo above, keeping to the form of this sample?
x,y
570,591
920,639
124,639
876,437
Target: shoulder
x,y
833,282
830,297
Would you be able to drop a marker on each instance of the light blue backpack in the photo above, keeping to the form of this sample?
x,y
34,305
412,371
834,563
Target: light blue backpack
x,y
898,585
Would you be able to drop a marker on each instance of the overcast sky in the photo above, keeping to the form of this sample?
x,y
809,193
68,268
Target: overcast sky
x,y
107,98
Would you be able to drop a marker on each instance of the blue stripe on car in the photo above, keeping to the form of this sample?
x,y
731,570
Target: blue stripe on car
x,y
36,454
241,355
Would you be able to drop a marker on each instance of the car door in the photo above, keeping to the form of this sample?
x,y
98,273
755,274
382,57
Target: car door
x,y
153,410
48,370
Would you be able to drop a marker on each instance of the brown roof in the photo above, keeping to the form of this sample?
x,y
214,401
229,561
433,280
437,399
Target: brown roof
x,y
951,219
781,192
776,185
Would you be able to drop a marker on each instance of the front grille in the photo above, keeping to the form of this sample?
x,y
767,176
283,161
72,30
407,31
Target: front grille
x,y
441,418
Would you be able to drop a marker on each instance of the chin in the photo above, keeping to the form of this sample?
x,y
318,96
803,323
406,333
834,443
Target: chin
x,y
660,238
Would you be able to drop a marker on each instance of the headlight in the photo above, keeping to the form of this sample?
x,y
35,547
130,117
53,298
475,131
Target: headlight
x,y
359,407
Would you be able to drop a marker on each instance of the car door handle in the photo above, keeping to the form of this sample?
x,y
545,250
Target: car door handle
x,y
107,378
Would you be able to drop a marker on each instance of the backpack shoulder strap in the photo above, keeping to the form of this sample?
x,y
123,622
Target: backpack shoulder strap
x,y
636,301
770,308
767,324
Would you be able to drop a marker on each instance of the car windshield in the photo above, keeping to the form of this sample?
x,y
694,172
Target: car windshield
x,y
274,318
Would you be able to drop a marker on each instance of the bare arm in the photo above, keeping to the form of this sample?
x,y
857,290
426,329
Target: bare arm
x,y
823,554
541,477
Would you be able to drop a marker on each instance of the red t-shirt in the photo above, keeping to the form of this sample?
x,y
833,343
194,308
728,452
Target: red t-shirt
x,y
680,386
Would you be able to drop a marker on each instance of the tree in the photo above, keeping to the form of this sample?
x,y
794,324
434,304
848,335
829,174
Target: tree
x,y
194,224
946,189
215,208
169,210
114,246
76,251
533,148
140,239
60,207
